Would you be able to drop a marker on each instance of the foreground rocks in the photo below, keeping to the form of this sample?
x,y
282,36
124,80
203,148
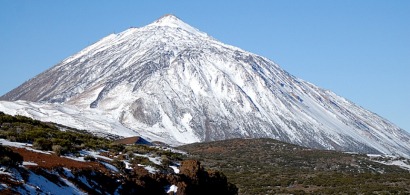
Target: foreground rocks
x,y
73,177
192,179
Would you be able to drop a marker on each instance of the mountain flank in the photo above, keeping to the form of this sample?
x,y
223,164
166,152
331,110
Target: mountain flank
x,y
170,82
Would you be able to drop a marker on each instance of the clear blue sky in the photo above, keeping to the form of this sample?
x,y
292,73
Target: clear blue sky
x,y
359,49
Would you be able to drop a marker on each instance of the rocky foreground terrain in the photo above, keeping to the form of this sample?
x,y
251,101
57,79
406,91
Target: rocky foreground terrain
x,y
37,158
43,158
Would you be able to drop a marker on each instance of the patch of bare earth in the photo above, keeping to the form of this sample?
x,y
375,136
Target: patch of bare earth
x,y
50,161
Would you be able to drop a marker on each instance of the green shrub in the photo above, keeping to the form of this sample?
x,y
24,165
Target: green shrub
x,y
165,161
44,135
9,158
119,164
42,144
141,160
57,149
89,158
115,147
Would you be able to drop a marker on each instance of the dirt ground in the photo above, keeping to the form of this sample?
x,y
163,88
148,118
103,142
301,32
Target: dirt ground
x,y
50,161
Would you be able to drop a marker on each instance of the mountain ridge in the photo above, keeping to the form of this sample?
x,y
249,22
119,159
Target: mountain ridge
x,y
169,80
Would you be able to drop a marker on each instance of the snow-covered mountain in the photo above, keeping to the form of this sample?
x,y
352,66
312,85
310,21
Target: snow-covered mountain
x,y
169,81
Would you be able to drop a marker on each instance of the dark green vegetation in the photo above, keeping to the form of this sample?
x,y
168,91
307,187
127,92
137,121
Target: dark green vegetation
x,y
47,136
9,158
267,166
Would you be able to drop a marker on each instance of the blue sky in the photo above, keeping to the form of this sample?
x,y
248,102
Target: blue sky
x,y
358,49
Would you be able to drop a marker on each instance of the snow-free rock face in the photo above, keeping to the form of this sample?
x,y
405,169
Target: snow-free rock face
x,y
170,80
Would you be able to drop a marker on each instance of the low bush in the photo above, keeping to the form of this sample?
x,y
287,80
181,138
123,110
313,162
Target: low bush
x,y
267,166
9,158
89,158
44,135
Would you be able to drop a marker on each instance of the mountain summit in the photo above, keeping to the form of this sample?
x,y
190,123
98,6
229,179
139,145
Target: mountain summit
x,y
169,20
172,21
170,81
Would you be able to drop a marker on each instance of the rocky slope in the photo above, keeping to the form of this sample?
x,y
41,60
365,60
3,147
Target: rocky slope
x,y
169,81
36,158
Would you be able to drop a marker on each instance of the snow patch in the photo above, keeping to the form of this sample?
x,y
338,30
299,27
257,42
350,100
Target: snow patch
x,y
156,160
94,154
48,187
3,186
403,163
68,173
173,189
26,163
150,169
26,146
175,168
185,121
4,172
110,167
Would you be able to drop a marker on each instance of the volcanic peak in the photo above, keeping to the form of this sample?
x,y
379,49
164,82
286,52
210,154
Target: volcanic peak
x,y
172,21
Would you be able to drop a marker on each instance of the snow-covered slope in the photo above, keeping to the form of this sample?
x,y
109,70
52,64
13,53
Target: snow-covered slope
x,y
93,120
171,81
